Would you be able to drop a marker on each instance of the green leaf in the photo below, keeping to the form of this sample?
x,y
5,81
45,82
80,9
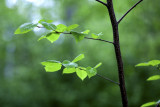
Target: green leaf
x,y
43,20
95,36
143,64
48,26
51,36
69,64
69,28
78,36
24,28
150,63
86,32
98,65
52,65
61,28
79,57
82,68
69,70
42,37
155,77
81,74
91,72
148,104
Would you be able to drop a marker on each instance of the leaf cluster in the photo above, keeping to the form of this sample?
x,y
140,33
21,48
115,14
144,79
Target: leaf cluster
x,y
55,30
71,67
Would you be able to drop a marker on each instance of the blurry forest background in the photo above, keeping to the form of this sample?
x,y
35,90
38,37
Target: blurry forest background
x,y
23,80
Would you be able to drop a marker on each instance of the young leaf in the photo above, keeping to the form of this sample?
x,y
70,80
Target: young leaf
x,y
78,36
91,72
61,28
48,26
155,77
79,57
69,28
86,32
94,36
52,66
69,64
69,70
43,20
81,73
98,65
52,36
148,104
150,63
24,28
42,37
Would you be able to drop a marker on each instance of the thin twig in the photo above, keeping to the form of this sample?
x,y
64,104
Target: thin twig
x,y
107,79
129,11
102,2
99,40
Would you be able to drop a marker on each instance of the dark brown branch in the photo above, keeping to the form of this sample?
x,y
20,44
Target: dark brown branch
x,y
99,40
107,79
118,53
102,2
129,10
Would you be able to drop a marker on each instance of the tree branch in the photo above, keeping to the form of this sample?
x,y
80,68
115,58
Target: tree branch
x,y
107,79
118,53
99,40
102,2
84,37
129,11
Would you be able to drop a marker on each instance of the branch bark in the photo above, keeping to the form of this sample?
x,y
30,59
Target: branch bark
x,y
129,10
102,2
118,53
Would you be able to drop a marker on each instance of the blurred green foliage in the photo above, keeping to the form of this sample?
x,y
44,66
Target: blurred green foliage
x,y
24,82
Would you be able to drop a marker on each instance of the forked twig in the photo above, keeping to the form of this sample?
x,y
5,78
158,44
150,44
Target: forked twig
x,y
129,11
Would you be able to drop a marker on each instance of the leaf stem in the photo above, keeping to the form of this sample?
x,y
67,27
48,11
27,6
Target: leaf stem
x,y
129,11
107,79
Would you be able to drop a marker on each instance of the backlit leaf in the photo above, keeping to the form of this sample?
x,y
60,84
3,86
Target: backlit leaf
x,y
52,36
48,26
98,65
148,104
52,66
155,77
61,28
91,72
79,57
24,28
69,64
150,63
69,70
86,32
81,73
43,20
78,36
95,36
69,28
